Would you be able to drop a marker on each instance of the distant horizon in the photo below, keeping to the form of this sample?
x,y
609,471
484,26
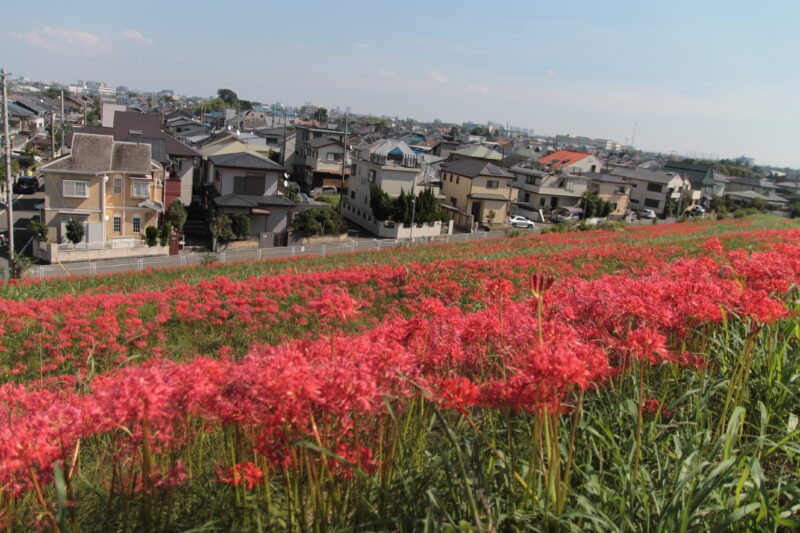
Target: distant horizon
x,y
714,78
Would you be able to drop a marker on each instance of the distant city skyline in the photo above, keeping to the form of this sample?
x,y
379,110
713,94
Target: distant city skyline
x,y
712,77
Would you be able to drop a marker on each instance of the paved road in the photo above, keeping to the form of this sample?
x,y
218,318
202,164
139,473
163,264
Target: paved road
x,y
24,207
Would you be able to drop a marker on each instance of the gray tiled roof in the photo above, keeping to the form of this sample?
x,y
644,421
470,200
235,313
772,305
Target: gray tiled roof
x,y
643,174
475,167
244,160
249,200
101,153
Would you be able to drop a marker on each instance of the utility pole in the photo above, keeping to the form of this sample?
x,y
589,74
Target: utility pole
x,y
84,114
9,195
62,122
344,162
52,134
283,150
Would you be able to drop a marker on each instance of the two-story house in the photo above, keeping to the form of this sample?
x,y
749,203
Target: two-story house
x,y
746,190
311,164
479,191
115,189
393,167
653,189
248,184
570,162
611,189
145,128
536,192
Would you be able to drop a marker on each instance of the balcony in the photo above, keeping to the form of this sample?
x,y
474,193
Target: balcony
x,y
86,251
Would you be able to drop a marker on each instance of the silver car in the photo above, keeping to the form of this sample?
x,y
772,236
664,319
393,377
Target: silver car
x,y
518,221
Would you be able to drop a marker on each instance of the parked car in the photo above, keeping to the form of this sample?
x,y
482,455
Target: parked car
x,y
695,210
566,214
327,190
26,185
646,213
518,221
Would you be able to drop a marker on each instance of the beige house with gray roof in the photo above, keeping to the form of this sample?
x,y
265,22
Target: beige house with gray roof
x,y
114,189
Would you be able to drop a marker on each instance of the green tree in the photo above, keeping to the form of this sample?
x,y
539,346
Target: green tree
x,y
222,230
293,193
39,230
594,206
75,230
228,96
164,233
240,225
380,203
151,235
317,221
177,214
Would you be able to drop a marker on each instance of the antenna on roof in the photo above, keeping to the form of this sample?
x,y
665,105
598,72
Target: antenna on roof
x,y
633,137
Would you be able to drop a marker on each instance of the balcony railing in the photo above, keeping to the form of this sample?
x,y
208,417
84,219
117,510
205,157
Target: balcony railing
x,y
113,243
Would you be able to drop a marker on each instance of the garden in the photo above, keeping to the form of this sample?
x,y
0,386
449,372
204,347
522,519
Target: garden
x,y
643,379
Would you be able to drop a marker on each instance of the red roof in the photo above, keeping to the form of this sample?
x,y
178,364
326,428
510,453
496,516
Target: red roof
x,y
563,158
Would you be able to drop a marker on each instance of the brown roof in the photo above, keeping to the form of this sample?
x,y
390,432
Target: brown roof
x,y
475,167
131,126
101,153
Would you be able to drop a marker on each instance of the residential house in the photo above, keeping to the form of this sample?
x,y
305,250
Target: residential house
x,y
612,189
246,183
476,151
305,168
537,192
116,189
392,166
700,174
748,190
570,162
476,191
653,189
445,147
177,158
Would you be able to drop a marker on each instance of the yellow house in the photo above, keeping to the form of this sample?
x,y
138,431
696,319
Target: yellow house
x,y
611,189
115,189
476,188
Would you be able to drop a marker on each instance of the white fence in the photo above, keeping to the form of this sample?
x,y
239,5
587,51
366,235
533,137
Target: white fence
x,y
172,261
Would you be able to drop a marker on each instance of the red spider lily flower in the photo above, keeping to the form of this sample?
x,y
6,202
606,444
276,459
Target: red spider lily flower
x,y
241,473
335,303
540,284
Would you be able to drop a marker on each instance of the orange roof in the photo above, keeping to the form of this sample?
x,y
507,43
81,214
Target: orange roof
x,y
562,158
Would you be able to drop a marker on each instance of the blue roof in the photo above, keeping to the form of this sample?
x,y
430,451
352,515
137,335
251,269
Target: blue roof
x,y
396,151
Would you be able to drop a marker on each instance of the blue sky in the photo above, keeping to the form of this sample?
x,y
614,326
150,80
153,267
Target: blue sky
x,y
718,78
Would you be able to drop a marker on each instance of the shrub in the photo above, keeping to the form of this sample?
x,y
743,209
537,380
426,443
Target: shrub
x,y
75,230
221,227
151,235
177,214
163,235
39,230
240,225
317,221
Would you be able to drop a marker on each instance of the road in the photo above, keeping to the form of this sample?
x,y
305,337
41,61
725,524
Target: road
x,y
24,209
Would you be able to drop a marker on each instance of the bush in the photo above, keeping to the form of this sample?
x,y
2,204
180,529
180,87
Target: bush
x,y
317,221
177,214
240,225
163,235
209,258
151,235
222,229
39,230
75,230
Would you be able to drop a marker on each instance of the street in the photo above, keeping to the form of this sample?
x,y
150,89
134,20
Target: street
x,y
24,207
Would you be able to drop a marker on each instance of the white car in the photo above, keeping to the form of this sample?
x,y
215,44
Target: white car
x,y
646,213
518,221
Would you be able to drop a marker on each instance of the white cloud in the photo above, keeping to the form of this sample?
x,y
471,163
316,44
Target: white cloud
x,y
134,35
438,77
53,38
483,90
392,75
361,45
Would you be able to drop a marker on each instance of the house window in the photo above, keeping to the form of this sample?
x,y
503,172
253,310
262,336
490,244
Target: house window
x,y
252,185
140,189
75,189
353,195
453,200
492,184
542,202
372,176
334,157
137,223
619,190
457,179
117,224
117,185
654,187
526,197
649,202
530,180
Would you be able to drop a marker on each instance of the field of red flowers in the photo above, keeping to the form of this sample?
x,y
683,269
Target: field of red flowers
x,y
645,379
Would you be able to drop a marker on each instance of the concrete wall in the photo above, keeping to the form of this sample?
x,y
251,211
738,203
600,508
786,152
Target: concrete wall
x,y
49,252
